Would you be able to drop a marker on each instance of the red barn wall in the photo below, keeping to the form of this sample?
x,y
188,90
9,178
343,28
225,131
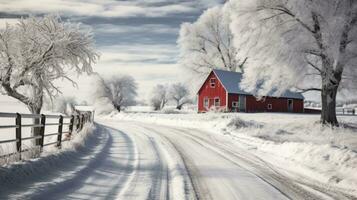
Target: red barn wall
x,y
211,93
298,105
278,104
231,98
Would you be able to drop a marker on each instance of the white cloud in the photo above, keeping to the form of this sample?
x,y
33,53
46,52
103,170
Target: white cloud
x,y
146,74
103,8
151,28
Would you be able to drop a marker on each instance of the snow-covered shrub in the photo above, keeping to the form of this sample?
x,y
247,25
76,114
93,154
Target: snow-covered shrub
x,y
237,123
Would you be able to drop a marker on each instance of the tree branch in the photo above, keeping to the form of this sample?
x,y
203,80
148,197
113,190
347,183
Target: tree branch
x,y
314,66
309,89
286,11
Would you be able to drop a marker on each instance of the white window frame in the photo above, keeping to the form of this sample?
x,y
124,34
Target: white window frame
x,y
270,106
212,82
219,102
235,104
206,102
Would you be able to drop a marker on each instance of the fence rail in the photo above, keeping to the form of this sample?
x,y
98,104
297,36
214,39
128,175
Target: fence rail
x,y
76,123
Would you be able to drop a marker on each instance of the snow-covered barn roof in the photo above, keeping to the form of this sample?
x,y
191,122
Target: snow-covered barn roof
x,y
231,82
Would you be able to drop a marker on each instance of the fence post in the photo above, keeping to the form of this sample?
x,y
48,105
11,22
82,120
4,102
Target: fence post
x,y
60,127
18,134
42,130
82,121
71,124
78,122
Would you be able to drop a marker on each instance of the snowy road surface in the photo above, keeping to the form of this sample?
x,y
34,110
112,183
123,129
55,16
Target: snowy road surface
x,y
131,160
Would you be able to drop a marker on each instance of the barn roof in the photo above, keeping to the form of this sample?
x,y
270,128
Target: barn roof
x,y
231,82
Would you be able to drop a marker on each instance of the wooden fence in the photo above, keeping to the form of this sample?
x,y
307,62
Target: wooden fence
x,y
75,123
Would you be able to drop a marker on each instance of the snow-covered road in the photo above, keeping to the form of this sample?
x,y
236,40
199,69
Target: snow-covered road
x,y
132,160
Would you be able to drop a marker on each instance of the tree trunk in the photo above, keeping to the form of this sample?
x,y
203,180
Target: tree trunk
x,y
179,107
328,100
117,107
35,109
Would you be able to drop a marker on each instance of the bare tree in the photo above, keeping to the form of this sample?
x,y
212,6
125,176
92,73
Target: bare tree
x,y
159,97
208,43
179,93
119,90
309,45
38,51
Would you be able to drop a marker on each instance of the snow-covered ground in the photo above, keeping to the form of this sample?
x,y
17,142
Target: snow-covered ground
x,y
183,155
294,143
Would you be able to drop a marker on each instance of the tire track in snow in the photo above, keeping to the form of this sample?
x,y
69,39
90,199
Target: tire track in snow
x,y
159,180
188,182
206,144
197,188
301,190
150,179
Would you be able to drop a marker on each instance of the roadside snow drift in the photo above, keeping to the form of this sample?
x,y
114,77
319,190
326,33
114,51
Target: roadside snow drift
x,y
26,178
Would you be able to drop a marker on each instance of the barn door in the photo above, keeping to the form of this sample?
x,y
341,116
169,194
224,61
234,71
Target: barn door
x,y
290,105
242,103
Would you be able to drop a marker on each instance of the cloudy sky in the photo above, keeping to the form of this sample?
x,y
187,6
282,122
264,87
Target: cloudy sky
x,y
136,37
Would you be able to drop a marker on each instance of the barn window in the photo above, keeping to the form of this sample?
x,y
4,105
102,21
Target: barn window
x,y
235,104
212,82
205,102
217,102
270,106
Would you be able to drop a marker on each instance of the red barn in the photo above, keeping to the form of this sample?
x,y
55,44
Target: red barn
x,y
221,91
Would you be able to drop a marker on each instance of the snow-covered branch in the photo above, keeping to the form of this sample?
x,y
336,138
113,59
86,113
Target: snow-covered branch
x,y
208,43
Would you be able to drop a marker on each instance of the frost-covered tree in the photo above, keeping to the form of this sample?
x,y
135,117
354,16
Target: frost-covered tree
x,y
65,105
208,43
119,90
309,45
180,94
159,97
36,52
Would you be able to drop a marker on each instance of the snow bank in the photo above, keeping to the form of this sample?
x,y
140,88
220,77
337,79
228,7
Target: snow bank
x,y
293,142
51,160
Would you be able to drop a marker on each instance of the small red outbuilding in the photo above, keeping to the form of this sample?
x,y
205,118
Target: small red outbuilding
x,y
221,91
